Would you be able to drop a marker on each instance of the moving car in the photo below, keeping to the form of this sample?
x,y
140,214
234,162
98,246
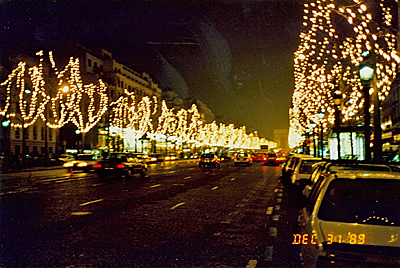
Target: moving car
x,y
243,158
65,158
83,162
170,157
274,159
351,220
120,164
259,157
209,159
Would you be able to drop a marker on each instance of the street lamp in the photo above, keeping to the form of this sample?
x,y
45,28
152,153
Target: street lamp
x,y
366,72
321,115
313,125
337,101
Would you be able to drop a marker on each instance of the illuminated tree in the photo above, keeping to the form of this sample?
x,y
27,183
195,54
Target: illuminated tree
x,y
327,59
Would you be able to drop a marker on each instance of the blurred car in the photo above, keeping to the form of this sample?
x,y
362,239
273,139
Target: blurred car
x,y
154,158
259,157
352,220
170,157
65,157
225,157
83,162
243,158
274,159
120,164
195,156
209,159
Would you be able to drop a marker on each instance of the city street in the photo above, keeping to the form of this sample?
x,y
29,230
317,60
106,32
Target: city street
x,y
178,216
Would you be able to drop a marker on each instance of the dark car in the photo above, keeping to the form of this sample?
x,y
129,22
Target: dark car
x,y
83,162
259,157
120,164
209,160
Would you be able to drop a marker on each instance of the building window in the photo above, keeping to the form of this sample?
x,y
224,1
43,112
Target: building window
x,y
95,64
89,62
35,151
50,134
17,134
42,133
42,150
34,132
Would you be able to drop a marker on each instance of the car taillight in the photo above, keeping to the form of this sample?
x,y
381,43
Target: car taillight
x,y
248,159
264,158
97,165
200,159
120,166
235,159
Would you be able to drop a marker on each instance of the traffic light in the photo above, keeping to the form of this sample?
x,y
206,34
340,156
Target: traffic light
x,y
6,123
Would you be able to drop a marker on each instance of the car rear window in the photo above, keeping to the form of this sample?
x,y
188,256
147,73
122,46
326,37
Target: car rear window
x,y
307,166
363,201
360,167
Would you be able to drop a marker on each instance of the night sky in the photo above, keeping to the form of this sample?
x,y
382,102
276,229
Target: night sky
x,y
235,56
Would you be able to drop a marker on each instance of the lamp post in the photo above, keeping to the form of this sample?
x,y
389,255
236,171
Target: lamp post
x,y
313,125
337,100
366,72
321,115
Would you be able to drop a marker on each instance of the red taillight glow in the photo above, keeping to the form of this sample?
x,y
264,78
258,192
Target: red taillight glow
x,y
97,165
235,159
120,166
200,159
264,158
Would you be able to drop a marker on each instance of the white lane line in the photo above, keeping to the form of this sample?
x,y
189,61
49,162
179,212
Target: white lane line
x,y
217,234
216,187
91,202
98,184
157,185
233,179
269,210
278,200
227,221
273,231
80,213
268,253
188,177
178,184
252,264
178,205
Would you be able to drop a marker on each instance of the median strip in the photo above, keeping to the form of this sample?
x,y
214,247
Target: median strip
x,y
178,205
91,202
157,185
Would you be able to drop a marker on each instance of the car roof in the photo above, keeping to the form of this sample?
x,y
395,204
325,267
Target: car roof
x,y
360,174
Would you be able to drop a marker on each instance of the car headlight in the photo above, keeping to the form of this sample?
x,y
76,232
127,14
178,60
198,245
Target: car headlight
x,y
153,159
83,164
68,164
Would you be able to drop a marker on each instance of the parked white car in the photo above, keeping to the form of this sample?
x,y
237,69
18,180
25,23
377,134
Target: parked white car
x,y
352,219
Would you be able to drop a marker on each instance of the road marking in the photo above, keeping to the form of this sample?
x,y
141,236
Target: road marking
x,y
80,213
233,179
275,218
216,187
277,207
276,190
268,253
240,205
217,234
273,231
234,213
157,185
269,210
278,200
245,200
227,221
280,194
178,184
252,264
173,171
91,202
97,184
178,205
185,178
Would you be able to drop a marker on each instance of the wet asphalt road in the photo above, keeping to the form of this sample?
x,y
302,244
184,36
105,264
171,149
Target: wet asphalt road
x,y
178,216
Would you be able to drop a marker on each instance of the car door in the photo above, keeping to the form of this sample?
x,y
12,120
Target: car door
x,y
309,249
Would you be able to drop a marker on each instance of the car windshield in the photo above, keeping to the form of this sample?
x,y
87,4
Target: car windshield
x,y
241,155
307,166
207,155
364,201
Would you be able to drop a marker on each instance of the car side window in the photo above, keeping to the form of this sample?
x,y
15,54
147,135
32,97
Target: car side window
x,y
314,194
124,159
